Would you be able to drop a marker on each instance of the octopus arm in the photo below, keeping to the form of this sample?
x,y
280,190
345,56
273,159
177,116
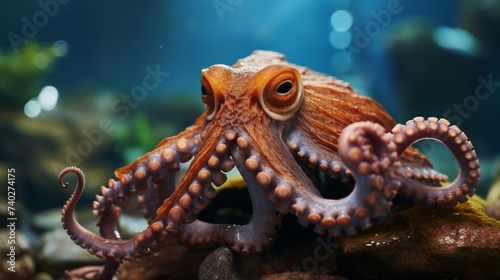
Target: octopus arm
x,y
291,190
113,249
417,184
157,167
189,133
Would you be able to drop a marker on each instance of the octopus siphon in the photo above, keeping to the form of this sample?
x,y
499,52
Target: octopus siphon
x,y
289,132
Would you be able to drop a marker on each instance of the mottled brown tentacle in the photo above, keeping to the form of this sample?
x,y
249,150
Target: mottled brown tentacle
x,y
115,250
366,151
108,228
151,198
195,189
316,157
159,165
259,233
412,184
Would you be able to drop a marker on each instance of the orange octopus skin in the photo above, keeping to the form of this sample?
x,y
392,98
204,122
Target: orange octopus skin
x,y
280,125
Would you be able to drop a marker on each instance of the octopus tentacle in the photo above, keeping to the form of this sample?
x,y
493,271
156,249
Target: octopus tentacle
x,y
425,175
108,228
149,168
160,165
327,162
195,189
151,198
367,152
253,237
115,250
459,145
270,195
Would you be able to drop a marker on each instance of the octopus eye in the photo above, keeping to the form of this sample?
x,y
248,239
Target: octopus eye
x,y
208,97
284,87
282,94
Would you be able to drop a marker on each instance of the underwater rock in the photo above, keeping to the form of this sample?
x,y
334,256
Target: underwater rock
x,y
220,264
23,266
172,262
419,243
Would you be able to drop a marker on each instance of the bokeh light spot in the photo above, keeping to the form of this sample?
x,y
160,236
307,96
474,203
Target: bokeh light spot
x,y
32,108
48,97
340,40
41,60
341,20
456,39
60,48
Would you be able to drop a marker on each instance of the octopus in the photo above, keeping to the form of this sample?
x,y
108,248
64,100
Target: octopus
x,y
291,133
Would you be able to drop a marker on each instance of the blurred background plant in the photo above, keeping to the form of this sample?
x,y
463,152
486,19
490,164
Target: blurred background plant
x,y
22,73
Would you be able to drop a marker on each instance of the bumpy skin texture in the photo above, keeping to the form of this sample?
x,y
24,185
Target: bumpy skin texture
x,y
280,125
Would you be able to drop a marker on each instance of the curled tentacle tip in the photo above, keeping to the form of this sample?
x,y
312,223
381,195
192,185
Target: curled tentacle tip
x,y
73,169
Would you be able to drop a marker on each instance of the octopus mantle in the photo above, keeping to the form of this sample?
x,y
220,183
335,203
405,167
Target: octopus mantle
x,y
285,128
